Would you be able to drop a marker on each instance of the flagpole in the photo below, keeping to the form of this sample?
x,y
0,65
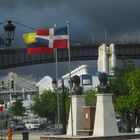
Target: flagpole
x,y
56,75
69,59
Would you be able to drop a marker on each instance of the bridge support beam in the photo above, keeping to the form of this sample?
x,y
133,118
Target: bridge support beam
x,y
106,58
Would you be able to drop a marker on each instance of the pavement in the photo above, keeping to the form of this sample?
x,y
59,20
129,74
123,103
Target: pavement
x,y
33,135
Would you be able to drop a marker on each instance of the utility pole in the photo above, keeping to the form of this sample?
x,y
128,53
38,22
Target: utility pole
x,y
63,108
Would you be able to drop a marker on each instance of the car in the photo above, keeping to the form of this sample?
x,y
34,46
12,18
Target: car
x,y
32,125
19,126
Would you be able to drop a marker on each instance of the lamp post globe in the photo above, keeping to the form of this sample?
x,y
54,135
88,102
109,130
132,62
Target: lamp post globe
x,y
10,31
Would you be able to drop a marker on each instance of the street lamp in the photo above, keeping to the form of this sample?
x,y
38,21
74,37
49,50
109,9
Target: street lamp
x,y
63,108
9,31
55,86
62,88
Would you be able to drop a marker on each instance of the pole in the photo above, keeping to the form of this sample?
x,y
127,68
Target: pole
x,y
1,125
56,74
63,108
105,35
69,57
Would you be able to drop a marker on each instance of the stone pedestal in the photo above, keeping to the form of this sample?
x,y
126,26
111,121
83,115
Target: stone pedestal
x,y
78,101
105,120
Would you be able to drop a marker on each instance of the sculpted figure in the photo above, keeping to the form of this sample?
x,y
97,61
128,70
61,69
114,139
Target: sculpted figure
x,y
103,87
77,88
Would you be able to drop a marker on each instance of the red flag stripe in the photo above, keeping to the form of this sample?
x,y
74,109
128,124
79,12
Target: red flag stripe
x,y
39,50
43,32
60,44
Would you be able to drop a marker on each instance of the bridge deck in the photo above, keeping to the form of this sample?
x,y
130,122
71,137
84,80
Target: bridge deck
x,y
16,57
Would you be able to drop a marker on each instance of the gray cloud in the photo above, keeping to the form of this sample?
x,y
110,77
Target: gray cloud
x,y
86,17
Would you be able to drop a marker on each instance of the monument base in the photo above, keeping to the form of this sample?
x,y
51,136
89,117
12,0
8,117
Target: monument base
x,y
105,120
75,122
123,136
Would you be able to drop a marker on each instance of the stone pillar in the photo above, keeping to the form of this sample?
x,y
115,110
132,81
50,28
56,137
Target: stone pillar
x,y
112,58
106,58
102,59
78,101
105,120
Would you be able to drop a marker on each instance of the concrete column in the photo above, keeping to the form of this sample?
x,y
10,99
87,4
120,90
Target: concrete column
x,y
78,101
112,58
105,120
102,59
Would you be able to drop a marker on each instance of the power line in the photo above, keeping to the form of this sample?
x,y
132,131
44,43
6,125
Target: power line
x,y
24,25
33,28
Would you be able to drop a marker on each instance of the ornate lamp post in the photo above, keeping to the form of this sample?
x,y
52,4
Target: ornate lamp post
x,y
9,31
62,88
55,86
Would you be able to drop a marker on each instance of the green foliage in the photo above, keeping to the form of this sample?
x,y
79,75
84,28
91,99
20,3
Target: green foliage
x,y
126,87
45,104
117,82
17,108
67,102
90,98
131,101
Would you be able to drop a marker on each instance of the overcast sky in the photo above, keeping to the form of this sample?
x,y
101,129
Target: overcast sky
x,y
88,18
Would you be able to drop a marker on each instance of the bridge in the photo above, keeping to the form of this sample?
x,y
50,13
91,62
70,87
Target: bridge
x,y
16,57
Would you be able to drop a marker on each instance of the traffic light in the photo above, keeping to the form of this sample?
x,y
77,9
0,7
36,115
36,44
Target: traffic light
x,y
12,84
1,85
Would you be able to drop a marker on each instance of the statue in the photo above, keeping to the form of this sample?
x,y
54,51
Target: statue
x,y
103,87
77,88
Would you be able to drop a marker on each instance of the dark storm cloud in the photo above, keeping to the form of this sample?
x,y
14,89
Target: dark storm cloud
x,y
87,17
8,4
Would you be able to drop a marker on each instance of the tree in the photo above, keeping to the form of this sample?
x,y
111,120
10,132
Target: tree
x,y
45,104
17,108
125,85
117,83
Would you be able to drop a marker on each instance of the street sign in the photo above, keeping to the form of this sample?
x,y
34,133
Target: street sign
x,y
86,79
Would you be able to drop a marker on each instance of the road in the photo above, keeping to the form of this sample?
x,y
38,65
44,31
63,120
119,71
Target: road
x,y
33,135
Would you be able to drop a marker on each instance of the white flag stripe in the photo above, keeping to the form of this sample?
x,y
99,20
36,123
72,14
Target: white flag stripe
x,y
52,37
59,37
55,37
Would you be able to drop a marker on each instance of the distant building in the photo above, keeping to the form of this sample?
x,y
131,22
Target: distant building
x,y
82,72
45,84
87,81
